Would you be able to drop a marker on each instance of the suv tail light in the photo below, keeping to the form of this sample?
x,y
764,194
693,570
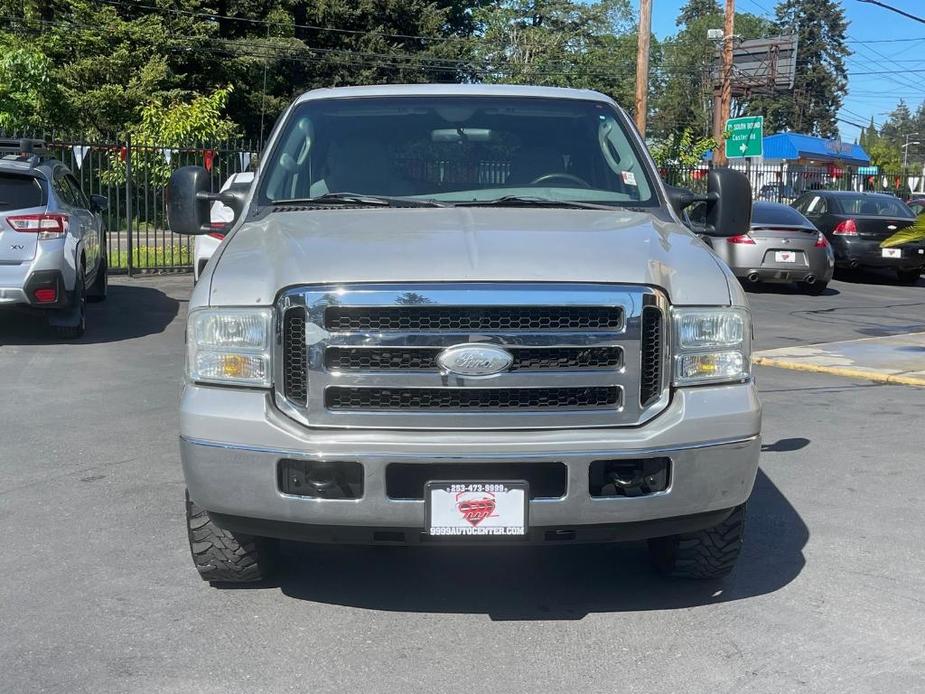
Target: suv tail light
x,y
47,226
846,227
741,239
821,240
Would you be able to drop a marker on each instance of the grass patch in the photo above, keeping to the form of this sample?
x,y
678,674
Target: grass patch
x,y
152,258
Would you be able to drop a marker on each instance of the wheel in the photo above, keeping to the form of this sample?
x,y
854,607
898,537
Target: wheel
x,y
814,289
709,553
100,287
76,329
908,276
223,556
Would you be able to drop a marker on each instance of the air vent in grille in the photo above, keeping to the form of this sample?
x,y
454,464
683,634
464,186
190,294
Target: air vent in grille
x,y
501,399
651,347
424,358
295,384
472,318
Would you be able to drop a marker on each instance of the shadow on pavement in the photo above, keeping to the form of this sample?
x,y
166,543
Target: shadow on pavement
x,y
537,583
786,289
785,445
129,311
877,276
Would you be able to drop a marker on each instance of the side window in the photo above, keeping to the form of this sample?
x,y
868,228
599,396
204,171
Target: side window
x,y
77,192
817,206
63,191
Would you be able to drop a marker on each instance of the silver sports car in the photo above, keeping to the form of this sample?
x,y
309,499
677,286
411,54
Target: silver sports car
x,y
782,246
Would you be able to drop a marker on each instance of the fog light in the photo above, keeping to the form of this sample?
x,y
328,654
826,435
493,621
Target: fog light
x,y
46,295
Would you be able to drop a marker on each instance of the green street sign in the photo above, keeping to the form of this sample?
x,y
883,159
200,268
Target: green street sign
x,y
744,137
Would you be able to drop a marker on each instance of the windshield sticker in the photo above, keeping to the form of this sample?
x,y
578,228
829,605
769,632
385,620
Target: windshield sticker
x,y
629,178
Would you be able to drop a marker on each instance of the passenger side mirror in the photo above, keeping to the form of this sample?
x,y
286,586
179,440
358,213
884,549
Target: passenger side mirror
x,y
730,213
99,203
188,200
726,208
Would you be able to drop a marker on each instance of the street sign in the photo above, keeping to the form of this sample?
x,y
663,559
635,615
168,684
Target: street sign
x,y
744,137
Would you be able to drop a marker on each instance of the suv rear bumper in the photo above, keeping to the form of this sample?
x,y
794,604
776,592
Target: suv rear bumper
x,y
232,442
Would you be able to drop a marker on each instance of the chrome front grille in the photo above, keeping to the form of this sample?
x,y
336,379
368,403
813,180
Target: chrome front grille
x,y
584,355
425,358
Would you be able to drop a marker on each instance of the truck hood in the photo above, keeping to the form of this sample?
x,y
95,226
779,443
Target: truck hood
x,y
462,244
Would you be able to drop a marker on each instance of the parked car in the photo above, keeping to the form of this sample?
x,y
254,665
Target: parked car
x,y
465,314
220,217
781,246
917,205
856,223
777,192
52,238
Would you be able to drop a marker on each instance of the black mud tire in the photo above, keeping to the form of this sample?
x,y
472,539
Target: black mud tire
x,y
705,554
222,556
814,289
78,298
908,276
100,287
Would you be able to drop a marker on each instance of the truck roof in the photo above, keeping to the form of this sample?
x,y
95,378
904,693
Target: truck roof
x,y
454,90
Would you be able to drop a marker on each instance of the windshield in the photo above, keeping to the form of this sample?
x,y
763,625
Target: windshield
x,y
873,206
457,149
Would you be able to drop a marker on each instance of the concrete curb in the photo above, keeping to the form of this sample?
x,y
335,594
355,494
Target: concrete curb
x,y
865,374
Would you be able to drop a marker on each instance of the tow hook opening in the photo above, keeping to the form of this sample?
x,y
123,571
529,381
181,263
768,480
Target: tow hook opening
x,y
633,477
321,480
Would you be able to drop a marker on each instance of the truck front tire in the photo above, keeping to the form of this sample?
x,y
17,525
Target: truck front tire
x,y
222,556
705,554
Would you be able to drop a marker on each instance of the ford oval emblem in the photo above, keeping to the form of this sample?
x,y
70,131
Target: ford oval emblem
x,y
474,360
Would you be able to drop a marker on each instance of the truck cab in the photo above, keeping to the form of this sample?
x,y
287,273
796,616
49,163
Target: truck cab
x,y
465,314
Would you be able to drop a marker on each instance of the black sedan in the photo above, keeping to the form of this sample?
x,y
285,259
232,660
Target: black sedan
x,y
856,223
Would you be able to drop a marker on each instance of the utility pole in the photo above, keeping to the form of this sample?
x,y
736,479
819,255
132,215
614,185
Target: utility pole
x,y
722,98
642,64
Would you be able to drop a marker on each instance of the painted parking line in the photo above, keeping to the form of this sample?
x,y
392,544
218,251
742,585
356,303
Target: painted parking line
x,y
896,359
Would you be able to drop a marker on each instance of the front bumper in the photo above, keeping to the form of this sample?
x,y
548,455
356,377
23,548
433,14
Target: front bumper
x,y
232,442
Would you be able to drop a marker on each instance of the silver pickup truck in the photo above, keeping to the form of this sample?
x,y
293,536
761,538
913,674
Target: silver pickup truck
x,y
465,314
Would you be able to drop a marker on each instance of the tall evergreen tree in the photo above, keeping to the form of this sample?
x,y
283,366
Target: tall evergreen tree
x,y
821,80
697,9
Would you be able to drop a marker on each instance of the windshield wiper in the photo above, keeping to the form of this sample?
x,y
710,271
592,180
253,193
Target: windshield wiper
x,y
532,201
360,199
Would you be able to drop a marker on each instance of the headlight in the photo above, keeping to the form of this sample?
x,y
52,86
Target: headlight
x,y
711,345
230,345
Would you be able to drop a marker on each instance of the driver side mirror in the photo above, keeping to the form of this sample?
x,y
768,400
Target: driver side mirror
x,y
727,206
189,201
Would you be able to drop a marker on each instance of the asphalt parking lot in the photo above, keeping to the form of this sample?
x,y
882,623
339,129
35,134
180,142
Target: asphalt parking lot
x,y
99,593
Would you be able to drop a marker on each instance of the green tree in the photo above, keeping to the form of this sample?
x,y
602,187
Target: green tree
x,y
685,100
697,9
821,80
26,88
557,43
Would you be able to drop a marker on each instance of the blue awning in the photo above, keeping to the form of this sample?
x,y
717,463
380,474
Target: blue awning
x,y
793,146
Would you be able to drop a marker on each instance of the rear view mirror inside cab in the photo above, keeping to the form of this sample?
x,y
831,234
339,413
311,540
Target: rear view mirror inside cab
x,y
461,135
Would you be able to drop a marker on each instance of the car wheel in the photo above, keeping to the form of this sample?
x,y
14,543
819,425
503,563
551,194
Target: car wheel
x,y
101,284
710,553
75,330
222,556
814,289
908,276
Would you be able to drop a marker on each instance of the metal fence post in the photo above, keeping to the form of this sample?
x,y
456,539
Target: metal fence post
x,y
128,204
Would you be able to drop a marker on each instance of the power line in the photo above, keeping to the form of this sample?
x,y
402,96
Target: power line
x,y
894,9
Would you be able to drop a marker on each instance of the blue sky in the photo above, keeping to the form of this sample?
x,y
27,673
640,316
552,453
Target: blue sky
x,y
872,32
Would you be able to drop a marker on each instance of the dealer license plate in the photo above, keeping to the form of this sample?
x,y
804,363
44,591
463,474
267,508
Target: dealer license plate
x,y
476,508
892,252
785,256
